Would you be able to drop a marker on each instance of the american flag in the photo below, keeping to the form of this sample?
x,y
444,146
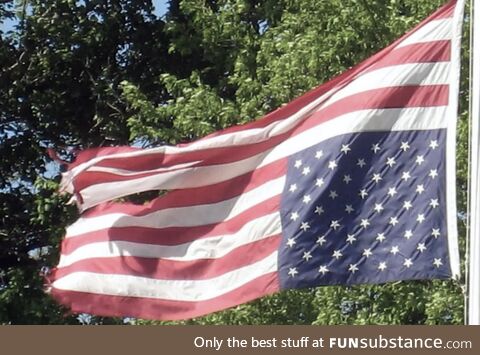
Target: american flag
x,y
354,182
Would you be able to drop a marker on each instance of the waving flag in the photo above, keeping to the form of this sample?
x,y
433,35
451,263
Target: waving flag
x,y
351,183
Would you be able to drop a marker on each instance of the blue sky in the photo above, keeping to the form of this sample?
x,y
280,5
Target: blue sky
x,y
161,8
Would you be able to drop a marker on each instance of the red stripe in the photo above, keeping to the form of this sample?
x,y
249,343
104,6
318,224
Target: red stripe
x,y
381,98
395,97
172,235
444,12
384,98
222,155
428,52
197,196
161,269
91,153
148,308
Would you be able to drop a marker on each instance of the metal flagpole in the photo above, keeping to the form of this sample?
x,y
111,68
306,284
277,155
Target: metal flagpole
x,y
474,255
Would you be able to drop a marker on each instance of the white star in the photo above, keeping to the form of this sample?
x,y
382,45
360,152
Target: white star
x,y
335,225
406,175
306,199
408,263
376,178
382,266
391,162
337,254
333,194
420,217
393,221
365,223
293,188
298,163
407,205
394,250
380,237
321,240
306,170
361,163
352,268
434,203
433,173
323,269
367,252
345,148
351,238
319,210
363,193
436,232
405,146
319,182
408,234
419,159
421,247
292,271
332,164
375,148
437,262
305,226
347,179
420,189
433,144
319,154
291,242
392,191
294,216
378,207
307,255
349,209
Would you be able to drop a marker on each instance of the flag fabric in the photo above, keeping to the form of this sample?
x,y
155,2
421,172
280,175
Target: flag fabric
x,y
352,183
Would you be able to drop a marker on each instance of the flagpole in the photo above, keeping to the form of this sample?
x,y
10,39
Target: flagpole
x,y
474,247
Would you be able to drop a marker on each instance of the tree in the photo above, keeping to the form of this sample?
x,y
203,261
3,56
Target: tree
x,y
61,71
103,72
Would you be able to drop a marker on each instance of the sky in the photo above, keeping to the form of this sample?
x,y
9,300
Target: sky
x,y
161,7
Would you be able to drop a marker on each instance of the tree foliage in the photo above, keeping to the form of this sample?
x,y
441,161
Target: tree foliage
x,y
75,74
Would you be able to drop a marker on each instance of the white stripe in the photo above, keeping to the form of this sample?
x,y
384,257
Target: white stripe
x,y
451,192
404,119
205,248
130,172
416,118
251,160
398,75
437,30
189,216
175,290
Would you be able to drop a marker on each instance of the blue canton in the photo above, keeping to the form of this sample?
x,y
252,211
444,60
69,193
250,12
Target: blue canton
x,y
365,208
